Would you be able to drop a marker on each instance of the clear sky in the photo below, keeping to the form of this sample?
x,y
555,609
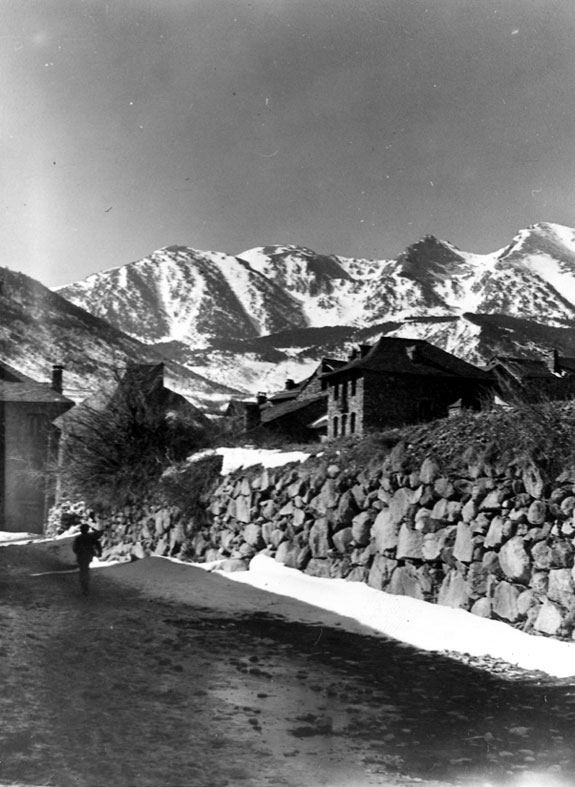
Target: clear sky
x,y
348,126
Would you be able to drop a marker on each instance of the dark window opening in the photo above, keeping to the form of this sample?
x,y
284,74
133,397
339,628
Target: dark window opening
x,y
36,424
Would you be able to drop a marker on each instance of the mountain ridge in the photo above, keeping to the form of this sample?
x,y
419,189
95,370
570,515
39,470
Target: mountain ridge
x,y
271,312
229,326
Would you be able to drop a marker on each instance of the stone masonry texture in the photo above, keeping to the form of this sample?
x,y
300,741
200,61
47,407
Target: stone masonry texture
x,y
492,540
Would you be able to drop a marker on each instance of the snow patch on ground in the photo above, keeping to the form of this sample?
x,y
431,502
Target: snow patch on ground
x,y
234,458
8,537
418,623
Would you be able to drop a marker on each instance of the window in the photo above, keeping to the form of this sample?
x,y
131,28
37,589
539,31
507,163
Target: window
x,y
352,423
343,424
36,424
353,387
335,426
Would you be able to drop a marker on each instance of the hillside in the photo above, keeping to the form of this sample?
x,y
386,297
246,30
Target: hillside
x,y
39,328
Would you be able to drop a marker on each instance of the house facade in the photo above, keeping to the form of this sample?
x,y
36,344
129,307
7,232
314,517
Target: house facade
x,y
398,382
299,411
28,447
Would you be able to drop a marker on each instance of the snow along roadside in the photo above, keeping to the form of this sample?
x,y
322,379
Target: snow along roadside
x,y
418,623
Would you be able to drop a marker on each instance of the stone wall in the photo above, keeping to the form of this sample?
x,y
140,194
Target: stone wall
x,y
495,540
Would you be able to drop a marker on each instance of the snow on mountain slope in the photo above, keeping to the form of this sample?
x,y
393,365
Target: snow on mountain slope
x,y
39,328
547,251
178,293
220,305
327,293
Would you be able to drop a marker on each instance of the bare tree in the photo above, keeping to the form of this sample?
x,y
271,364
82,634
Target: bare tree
x,y
116,445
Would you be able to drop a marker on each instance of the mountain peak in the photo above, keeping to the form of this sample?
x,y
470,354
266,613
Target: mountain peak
x,y
540,240
430,258
296,267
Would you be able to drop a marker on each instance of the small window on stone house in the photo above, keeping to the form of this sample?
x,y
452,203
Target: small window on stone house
x,y
352,423
36,424
344,424
335,426
353,387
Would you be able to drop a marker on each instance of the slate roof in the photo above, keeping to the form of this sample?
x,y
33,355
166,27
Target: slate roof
x,y
287,394
412,357
18,387
523,368
273,412
325,366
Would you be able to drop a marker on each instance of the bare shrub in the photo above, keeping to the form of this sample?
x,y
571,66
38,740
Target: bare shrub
x,y
114,451
188,485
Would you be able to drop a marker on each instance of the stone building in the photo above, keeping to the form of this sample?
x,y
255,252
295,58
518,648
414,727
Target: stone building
x,y
28,445
551,378
300,410
401,381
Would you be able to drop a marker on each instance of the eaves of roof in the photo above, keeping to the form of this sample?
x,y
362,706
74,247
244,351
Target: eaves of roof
x,y
31,392
523,368
269,414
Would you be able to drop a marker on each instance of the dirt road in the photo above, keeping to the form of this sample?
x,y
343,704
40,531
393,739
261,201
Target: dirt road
x,y
166,676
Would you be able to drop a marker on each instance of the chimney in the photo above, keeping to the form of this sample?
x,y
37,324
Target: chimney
x,y
364,349
290,384
261,397
353,355
57,376
552,362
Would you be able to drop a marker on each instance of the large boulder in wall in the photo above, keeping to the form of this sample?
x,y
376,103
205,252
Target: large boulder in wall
x,y
319,538
454,591
514,560
381,571
405,581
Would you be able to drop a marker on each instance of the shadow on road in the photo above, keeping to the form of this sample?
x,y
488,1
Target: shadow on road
x,y
135,686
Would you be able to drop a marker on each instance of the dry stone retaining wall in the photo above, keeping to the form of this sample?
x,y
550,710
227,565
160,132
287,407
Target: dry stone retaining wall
x,y
497,541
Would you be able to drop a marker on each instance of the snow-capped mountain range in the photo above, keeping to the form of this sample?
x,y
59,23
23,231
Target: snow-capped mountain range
x,y
252,319
180,293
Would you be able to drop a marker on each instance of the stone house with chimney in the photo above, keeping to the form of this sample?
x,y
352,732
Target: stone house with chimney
x,y
299,411
28,447
398,382
551,378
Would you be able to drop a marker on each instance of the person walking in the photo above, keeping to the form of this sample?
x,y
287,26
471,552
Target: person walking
x,y
86,546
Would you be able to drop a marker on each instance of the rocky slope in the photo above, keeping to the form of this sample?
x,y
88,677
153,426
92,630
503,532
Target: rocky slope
x,y
216,312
